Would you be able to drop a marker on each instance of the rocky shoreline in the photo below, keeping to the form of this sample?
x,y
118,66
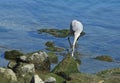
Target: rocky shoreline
x,y
35,68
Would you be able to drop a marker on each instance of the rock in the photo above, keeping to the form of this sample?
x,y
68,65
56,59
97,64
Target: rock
x,y
13,54
36,79
24,72
50,80
58,33
84,78
66,66
40,60
7,74
110,75
23,58
12,64
24,69
104,58
51,47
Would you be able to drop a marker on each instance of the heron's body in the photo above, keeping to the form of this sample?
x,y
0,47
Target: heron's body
x,y
76,29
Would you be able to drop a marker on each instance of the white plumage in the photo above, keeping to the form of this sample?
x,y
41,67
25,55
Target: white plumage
x,y
76,29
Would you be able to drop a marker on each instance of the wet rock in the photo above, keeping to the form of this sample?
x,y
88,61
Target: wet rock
x,y
104,58
40,60
50,80
36,79
7,75
13,54
51,47
58,33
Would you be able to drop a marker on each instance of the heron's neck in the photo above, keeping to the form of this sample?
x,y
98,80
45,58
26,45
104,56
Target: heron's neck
x,y
76,35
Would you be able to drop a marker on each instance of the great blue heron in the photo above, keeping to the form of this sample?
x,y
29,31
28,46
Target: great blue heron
x,y
76,29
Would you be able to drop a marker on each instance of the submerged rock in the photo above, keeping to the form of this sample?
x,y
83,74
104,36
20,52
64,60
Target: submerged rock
x,y
51,47
57,33
7,75
104,58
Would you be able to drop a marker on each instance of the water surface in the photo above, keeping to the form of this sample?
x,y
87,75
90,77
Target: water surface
x,y
19,21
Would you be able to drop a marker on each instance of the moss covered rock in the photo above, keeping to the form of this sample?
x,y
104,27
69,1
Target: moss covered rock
x,y
84,78
57,33
104,58
65,67
13,54
51,47
110,75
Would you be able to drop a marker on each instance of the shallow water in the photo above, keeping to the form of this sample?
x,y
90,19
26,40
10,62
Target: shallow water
x,y
19,21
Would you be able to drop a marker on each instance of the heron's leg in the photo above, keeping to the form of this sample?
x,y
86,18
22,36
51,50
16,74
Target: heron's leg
x,y
69,41
76,44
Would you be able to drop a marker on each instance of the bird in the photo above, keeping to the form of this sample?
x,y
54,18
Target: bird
x,y
76,28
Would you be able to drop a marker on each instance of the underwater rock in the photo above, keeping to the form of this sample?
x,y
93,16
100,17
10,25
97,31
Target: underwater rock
x,y
104,58
57,33
51,47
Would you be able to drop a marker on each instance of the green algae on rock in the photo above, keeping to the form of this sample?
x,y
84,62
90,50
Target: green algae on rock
x,y
104,58
57,33
65,67
51,47
110,75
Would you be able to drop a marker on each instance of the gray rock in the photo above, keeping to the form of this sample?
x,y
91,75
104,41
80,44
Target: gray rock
x,y
25,69
23,58
50,80
8,74
38,56
40,60
36,79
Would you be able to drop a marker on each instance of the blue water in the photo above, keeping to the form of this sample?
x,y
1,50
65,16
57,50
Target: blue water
x,y
20,19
